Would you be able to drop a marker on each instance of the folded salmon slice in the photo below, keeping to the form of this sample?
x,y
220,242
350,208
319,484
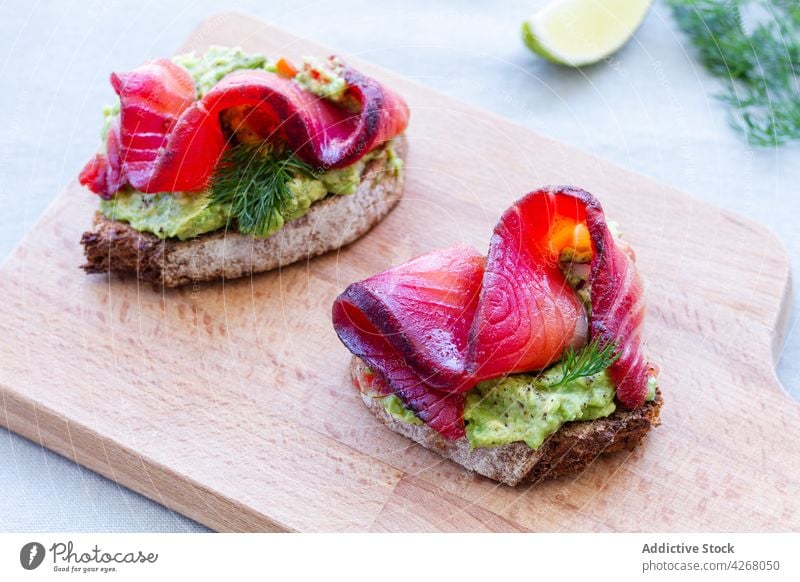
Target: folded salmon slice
x,y
432,328
618,307
152,99
169,142
410,324
528,313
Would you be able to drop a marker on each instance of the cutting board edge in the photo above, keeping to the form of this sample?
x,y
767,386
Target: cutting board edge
x,y
74,441
784,316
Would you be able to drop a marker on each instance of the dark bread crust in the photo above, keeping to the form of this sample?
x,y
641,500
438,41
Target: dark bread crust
x,y
115,247
571,449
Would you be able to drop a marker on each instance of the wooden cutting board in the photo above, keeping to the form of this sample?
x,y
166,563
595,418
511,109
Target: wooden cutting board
x,y
231,403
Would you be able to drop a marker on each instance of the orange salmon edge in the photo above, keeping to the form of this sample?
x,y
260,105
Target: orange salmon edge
x,y
580,237
562,235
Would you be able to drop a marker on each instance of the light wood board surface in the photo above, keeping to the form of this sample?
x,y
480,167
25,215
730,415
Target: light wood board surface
x,y
231,403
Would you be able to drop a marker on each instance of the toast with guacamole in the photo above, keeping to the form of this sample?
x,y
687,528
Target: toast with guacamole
x,y
228,163
523,364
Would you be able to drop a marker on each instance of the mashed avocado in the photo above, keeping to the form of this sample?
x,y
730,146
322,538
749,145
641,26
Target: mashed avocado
x,y
323,78
345,180
391,403
209,69
525,407
652,385
165,215
394,406
186,215
529,408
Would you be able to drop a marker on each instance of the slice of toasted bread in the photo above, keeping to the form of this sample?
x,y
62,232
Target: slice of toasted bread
x,y
569,450
115,247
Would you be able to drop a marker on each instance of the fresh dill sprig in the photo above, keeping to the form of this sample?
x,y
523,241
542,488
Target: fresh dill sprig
x,y
758,64
253,181
590,360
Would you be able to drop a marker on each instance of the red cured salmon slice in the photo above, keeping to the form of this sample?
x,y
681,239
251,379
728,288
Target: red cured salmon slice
x,y
169,142
152,98
440,410
410,325
528,312
100,175
445,410
618,307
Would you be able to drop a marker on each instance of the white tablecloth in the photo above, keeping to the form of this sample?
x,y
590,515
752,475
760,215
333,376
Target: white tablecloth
x,y
651,108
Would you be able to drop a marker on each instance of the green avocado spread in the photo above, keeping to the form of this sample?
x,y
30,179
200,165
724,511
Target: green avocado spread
x,y
529,408
165,215
187,215
394,406
524,407
209,68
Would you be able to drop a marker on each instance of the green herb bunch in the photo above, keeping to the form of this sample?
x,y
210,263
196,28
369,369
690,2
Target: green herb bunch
x,y
253,181
753,46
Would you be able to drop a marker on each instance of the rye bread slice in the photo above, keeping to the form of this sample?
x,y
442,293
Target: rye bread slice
x,y
569,450
115,247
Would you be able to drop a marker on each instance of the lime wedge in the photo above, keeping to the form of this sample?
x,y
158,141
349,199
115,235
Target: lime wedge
x,y
582,32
